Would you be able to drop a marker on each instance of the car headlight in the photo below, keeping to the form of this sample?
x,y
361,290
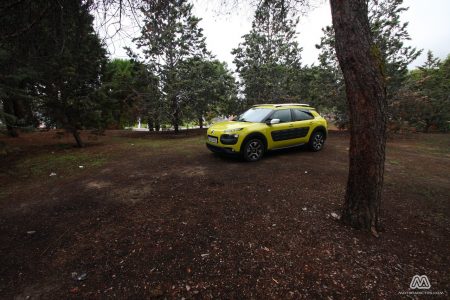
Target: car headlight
x,y
232,130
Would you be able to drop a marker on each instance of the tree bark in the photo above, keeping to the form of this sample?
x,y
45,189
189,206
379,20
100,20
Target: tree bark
x,y
150,125
176,116
361,66
21,110
8,107
76,135
200,122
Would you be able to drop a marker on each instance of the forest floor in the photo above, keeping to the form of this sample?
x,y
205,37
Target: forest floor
x,y
139,215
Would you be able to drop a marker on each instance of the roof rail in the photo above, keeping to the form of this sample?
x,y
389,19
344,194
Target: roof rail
x,y
262,104
291,104
282,104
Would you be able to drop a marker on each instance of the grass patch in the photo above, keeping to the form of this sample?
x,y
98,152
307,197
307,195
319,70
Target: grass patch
x,y
59,163
434,144
394,162
3,194
434,150
427,144
181,145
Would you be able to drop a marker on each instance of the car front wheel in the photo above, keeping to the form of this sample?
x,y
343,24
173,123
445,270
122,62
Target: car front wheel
x,y
253,150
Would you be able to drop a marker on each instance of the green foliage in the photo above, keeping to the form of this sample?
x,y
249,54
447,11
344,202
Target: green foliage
x,y
424,101
131,89
189,84
268,60
390,35
71,75
208,88
170,36
51,62
147,92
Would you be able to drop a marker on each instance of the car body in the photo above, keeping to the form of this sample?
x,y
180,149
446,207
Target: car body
x,y
268,127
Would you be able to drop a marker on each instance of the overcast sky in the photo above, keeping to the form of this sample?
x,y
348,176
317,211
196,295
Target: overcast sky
x,y
429,28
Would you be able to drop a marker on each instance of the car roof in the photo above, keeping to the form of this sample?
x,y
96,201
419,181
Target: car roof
x,y
283,105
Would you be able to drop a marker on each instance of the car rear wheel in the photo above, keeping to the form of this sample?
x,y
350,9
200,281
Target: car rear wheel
x,y
253,150
317,141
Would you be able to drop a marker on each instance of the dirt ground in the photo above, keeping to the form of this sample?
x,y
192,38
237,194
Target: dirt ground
x,y
137,215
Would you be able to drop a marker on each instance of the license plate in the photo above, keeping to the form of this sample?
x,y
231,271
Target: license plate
x,y
212,139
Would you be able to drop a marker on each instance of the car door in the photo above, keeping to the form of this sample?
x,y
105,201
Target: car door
x,y
302,121
281,133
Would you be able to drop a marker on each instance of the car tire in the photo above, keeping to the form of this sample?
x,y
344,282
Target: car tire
x,y
253,150
316,141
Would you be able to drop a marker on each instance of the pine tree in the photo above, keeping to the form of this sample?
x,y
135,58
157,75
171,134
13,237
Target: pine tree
x,y
366,97
208,86
390,35
70,76
269,57
52,62
431,62
170,36
426,96
19,46
117,85
146,92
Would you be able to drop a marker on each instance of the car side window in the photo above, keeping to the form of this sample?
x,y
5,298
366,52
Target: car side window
x,y
300,115
283,114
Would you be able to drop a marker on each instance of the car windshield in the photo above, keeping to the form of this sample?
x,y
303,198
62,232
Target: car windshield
x,y
254,115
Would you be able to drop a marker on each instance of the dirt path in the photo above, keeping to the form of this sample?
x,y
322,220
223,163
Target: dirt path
x,y
153,217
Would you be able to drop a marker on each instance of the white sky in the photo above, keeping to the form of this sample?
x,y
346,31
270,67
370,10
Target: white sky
x,y
429,28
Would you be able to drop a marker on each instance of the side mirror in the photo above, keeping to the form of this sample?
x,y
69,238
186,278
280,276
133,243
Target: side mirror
x,y
273,121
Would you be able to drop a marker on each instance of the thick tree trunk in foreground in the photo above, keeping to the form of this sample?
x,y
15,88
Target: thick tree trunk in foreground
x,y
361,66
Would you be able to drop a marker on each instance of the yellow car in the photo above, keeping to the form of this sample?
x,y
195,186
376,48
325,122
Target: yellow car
x,y
268,127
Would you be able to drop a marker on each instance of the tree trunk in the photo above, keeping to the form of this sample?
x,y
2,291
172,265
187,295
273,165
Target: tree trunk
x,y
176,118
361,66
157,125
150,124
200,122
9,108
12,131
76,135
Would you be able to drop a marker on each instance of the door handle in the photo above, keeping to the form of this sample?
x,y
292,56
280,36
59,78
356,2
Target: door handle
x,y
291,125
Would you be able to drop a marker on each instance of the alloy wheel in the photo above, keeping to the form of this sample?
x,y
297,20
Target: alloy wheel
x,y
254,150
318,141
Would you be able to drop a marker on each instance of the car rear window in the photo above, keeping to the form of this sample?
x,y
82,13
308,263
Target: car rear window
x,y
301,115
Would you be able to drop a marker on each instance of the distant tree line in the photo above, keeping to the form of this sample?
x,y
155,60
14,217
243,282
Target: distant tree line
x,y
54,69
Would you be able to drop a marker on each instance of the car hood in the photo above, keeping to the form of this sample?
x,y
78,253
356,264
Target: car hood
x,y
227,125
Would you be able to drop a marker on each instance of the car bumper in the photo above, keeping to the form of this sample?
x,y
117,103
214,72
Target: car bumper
x,y
221,150
220,142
